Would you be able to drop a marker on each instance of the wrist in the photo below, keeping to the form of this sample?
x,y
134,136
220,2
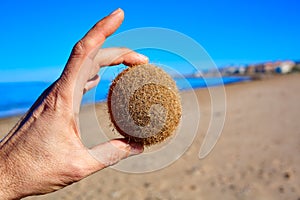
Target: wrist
x,y
7,185
12,169
6,195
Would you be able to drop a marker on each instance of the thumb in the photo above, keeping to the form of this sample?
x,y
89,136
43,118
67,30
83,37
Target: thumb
x,y
111,152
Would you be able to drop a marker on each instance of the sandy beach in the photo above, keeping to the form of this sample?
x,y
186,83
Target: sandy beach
x,y
256,157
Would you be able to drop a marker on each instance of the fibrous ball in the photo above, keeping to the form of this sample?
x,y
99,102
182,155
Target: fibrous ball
x,y
144,104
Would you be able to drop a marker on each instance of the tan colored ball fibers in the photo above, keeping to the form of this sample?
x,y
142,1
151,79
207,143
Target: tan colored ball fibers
x,y
144,104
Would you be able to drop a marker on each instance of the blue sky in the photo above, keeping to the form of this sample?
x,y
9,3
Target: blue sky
x,y
37,36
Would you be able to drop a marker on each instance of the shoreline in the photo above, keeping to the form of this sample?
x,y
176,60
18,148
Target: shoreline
x,y
14,116
16,102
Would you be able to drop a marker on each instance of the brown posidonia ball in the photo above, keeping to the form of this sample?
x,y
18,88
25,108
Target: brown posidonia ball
x,y
144,104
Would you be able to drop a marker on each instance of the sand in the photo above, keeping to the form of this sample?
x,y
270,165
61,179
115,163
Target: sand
x,y
256,157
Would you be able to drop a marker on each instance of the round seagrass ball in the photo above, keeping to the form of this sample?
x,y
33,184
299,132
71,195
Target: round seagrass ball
x,y
144,104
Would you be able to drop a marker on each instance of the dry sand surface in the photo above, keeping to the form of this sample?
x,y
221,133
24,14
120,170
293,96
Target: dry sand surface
x,y
256,157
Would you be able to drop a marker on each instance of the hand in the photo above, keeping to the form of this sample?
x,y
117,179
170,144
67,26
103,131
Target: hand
x,y
43,152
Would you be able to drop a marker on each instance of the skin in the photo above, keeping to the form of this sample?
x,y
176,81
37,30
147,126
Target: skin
x,y
44,152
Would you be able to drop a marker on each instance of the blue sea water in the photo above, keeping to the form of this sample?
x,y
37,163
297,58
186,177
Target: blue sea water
x,y
17,97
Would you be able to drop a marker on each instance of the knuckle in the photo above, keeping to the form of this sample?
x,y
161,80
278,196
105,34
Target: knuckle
x,y
126,50
123,50
76,173
79,49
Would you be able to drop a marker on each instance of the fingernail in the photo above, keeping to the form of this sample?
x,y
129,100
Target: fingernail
x,y
136,148
142,57
115,12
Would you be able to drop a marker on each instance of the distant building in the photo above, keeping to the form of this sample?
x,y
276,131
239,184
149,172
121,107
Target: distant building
x,y
269,67
229,70
285,67
242,70
255,70
260,68
297,66
250,70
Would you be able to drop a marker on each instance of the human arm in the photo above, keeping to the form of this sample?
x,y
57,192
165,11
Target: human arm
x,y
44,152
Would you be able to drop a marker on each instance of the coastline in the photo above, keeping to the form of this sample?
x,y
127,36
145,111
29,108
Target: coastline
x,y
255,157
19,96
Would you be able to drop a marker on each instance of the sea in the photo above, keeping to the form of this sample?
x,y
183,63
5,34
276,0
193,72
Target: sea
x,y
17,97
